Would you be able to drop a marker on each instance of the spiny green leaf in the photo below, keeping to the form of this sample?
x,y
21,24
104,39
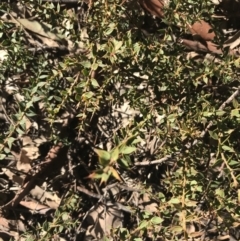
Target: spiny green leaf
x,y
114,154
104,178
97,174
128,150
104,156
115,174
124,162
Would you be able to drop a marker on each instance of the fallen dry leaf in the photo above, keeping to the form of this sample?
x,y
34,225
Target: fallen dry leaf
x,y
36,27
28,153
35,207
100,222
234,41
52,200
11,225
203,30
12,176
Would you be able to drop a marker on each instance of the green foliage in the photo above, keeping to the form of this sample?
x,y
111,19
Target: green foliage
x,y
107,159
185,103
62,220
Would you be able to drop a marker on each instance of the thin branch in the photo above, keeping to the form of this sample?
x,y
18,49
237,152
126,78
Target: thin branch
x,y
101,197
159,161
89,193
121,186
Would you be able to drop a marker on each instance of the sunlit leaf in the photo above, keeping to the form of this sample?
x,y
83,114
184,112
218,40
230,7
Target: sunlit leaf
x,y
2,156
86,64
110,29
104,178
220,192
10,141
213,134
176,229
128,150
124,162
227,148
156,220
174,201
115,174
220,112
94,175
104,157
114,154
94,83
88,95
143,225
235,103
190,203
117,44
233,163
